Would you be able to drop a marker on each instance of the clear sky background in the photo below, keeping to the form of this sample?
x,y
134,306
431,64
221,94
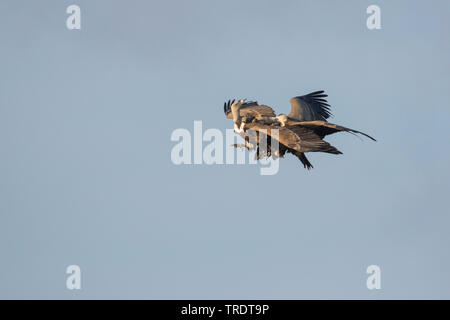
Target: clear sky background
x,y
85,170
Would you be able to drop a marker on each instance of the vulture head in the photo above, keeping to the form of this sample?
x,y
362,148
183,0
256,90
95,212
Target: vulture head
x,y
235,107
282,119
232,110
239,121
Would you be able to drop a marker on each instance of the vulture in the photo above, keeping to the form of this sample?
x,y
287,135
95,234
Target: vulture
x,y
301,131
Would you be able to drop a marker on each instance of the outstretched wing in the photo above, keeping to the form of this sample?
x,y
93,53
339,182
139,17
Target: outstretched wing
x,y
249,109
323,128
310,107
298,138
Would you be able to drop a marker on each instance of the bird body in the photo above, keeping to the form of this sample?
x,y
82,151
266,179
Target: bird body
x,y
302,130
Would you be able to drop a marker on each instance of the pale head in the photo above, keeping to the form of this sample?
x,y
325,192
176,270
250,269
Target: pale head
x,y
235,110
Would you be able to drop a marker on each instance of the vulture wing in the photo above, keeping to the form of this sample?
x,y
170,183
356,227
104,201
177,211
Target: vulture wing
x,y
323,128
249,109
310,107
298,138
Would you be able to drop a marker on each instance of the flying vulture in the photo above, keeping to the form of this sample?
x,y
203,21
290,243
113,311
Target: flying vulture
x,y
302,130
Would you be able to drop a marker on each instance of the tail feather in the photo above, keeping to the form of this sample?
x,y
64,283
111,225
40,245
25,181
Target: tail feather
x,y
301,156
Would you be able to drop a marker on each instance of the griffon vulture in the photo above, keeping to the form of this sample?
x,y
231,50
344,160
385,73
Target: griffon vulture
x,y
302,130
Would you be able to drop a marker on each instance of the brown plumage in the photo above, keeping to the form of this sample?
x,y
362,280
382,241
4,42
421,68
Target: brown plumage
x,y
249,109
301,131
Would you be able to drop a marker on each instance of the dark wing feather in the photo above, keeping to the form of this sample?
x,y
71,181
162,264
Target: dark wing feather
x,y
311,142
301,156
227,108
310,107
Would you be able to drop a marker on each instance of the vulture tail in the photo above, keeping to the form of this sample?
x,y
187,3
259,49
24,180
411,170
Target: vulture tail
x,y
301,156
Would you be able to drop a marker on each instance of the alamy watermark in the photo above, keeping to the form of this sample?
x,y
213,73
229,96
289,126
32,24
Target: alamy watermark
x,y
374,280
73,281
373,21
73,22
190,148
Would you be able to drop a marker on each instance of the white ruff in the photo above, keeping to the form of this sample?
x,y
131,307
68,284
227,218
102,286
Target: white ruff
x,y
239,129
